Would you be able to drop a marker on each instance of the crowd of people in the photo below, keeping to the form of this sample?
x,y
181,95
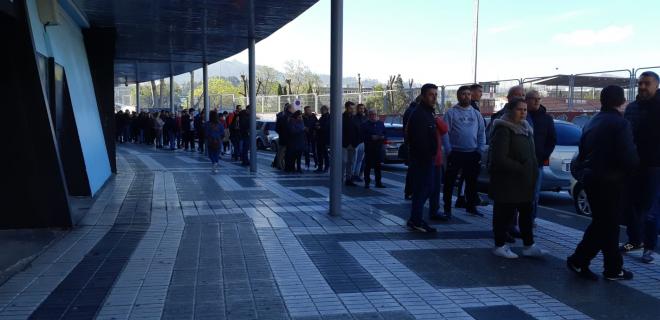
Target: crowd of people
x,y
226,133
618,161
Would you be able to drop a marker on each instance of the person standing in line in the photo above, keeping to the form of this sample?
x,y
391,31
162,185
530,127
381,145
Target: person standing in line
x,y
225,137
235,133
360,118
188,128
407,190
199,129
282,129
644,117
350,140
310,120
119,126
513,172
467,138
322,140
545,138
244,132
514,92
607,157
215,132
438,170
421,132
170,130
179,137
373,135
158,128
295,142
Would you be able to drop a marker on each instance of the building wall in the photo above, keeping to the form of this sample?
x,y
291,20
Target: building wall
x,y
64,42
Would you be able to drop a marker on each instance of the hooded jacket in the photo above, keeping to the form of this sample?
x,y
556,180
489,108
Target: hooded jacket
x,y
512,162
545,136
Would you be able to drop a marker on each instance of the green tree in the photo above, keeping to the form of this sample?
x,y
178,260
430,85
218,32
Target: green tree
x,y
300,77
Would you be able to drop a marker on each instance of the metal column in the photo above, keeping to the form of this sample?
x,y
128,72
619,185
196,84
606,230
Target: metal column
x,y
336,51
207,110
172,109
252,87
192,90
137,87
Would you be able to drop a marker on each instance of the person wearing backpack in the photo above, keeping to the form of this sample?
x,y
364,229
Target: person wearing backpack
x,y
215,132
606,160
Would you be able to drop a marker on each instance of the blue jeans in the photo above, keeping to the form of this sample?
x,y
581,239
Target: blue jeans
x,y
645,191
652,226
172,136
436,179
537,194
422,185
214,154
359,158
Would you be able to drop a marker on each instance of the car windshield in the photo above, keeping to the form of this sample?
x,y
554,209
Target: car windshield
x,y
568,135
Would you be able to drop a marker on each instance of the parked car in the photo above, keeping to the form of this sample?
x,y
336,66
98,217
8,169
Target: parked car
x,y
557,170
266,135
582,120
393,141
579,198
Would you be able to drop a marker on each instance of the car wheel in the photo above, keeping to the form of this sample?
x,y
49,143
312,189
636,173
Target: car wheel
x,y
580,200
260,144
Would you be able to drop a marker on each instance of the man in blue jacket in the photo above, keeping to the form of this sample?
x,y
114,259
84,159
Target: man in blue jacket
x,y
373,135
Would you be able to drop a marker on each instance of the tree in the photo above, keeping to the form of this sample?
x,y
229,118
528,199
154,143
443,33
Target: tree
x,y
267,80
299,77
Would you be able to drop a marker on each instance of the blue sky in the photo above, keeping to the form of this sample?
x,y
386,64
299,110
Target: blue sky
x,y
431,40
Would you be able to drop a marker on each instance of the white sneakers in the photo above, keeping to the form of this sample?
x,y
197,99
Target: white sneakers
x,y
533,251
214,168
527,251
504,252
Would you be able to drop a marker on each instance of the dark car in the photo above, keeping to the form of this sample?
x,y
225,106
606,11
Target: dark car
x,y
393,141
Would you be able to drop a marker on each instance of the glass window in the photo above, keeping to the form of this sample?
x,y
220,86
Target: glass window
x,y
568,135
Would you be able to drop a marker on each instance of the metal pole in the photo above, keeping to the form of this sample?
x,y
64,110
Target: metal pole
x,y
207,110
252,88
336,51
192,89
476,37
171,93
137,87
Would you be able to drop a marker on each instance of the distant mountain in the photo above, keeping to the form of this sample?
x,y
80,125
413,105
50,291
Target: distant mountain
x,y
233,68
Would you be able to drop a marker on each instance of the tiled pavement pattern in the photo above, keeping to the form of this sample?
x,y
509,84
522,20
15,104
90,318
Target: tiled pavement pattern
x,y
165,239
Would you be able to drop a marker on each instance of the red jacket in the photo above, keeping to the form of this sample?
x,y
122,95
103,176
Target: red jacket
x,y
442,129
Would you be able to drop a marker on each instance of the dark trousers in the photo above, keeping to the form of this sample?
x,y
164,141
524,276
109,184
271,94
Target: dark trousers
x,y
407,189
372,159
421,183
468,164
644,193
245,147
606,200
310,152
322,155
434,200
201,142
293,159
503,214
236,144
189,140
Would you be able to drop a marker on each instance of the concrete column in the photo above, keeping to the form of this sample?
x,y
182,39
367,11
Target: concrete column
x,y
192,89
207,110
252,87
137,87
336,52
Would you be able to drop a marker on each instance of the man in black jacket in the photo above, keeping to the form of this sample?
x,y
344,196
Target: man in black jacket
x,y
407,190
644,117
188,128
281,127
421,135
310,120
244,129
322,140
607,157
349,140
545,137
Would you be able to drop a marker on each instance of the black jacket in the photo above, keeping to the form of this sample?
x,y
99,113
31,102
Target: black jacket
x,y
350,131
545,136
282,126
310,124
644,117
421,133
607,150
244,124
185,123
323,131
359,121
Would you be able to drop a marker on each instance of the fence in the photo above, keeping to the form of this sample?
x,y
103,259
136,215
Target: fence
x,y
564,96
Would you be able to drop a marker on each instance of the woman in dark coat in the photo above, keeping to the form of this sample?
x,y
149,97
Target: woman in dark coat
x,y
295,142
513,172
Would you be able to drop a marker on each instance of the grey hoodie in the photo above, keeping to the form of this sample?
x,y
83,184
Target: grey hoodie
x,y
466,129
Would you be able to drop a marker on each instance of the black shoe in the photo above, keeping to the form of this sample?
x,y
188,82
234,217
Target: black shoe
x,y
380,186
583,273
622,275
350,183
460,202
440,217
422,227
629,247
473,211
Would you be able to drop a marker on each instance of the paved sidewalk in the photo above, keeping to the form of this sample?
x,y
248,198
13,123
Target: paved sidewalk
x,y
166,239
